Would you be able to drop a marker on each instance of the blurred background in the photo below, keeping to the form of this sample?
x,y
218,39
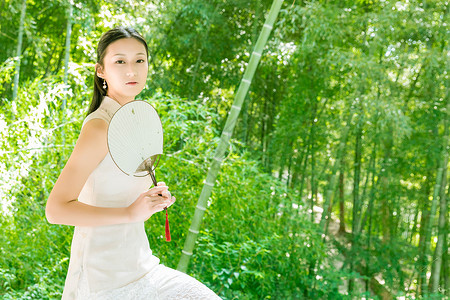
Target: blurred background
x,y
334,185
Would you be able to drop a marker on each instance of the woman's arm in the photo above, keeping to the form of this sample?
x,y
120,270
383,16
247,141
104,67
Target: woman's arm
x,y
62,204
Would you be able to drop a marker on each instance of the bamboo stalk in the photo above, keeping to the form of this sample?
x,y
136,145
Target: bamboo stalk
x,y
434,202
226,135
67,50
341,202
66,63
329,193
436,267
19,50
437,262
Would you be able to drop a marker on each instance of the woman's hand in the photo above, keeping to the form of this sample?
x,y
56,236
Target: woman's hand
x,y
149,203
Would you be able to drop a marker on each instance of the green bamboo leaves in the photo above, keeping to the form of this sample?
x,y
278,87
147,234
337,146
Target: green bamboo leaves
x,y
226,135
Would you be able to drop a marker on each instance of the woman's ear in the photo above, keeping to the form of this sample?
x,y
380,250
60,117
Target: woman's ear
x,y
99,70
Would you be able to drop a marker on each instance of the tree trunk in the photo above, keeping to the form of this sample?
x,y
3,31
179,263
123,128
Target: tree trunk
x,y
245,112
303,163
437,265
414,228
370,172
67,49
58,64
436,268
369,211
313,183
66,63
356,201
263,133
385,181
193,89
289,177
271,116
251,119
329,193
369,229
311,151
445,260
356,181
430,223
226,135
195,72
341,202
47,67
19,50
424,219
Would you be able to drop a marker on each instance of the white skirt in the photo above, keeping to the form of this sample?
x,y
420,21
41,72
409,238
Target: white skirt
x,y
161,283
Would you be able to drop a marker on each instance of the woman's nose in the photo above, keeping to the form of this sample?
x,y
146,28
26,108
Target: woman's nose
x,y
131,72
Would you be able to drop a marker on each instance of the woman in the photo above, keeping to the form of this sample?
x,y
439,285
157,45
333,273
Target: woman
x,y
110,254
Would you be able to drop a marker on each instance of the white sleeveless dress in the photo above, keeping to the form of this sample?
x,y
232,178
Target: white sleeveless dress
x,y
115,261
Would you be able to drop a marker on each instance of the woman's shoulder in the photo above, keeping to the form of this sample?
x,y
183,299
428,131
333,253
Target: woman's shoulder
x,y
98,114
105,111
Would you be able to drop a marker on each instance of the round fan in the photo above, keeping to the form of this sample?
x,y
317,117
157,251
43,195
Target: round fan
x,y
135,138
135,141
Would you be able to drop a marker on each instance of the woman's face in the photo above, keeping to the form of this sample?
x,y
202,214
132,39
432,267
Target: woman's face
x,y
124,68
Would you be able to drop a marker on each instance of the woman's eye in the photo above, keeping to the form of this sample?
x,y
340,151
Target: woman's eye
x,y
120,62
141,60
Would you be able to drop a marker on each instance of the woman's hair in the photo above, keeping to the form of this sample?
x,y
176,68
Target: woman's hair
x,y
106,39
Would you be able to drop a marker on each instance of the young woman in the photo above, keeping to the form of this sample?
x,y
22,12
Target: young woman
x,y
110,254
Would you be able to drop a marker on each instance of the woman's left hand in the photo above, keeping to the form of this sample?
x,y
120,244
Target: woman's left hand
x,y
166,194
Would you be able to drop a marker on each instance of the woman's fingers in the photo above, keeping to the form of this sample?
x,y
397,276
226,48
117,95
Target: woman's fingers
x,y
159,203
156,190
166,194
159,196
160,191
158,199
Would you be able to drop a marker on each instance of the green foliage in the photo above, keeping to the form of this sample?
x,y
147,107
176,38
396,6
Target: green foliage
x,y
376,66
34,148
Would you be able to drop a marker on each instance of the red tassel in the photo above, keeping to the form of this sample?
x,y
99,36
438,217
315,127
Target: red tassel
x,y
167,227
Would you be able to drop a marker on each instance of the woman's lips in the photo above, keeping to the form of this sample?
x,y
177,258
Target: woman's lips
x,y
131,83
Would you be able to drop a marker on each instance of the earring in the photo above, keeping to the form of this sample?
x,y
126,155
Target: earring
x,y
104,84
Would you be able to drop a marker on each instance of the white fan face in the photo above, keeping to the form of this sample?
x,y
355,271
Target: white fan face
x,y
135,134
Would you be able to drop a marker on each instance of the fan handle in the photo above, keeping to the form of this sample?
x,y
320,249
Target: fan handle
x,y
167,228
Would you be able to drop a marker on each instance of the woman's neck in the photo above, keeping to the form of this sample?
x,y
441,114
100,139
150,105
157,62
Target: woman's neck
x,y
120,99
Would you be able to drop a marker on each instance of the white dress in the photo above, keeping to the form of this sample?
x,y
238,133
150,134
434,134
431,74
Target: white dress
x,y
115,261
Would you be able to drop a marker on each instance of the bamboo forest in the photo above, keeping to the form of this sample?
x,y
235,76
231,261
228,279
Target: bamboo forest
x,y
306,142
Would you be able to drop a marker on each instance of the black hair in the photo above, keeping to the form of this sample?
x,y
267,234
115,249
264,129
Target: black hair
x,y
107,38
